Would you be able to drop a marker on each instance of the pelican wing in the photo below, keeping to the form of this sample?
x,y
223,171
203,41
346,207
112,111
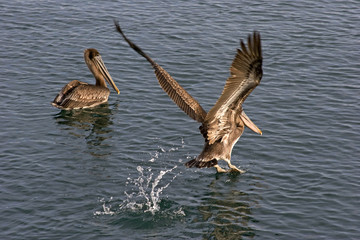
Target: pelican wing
x,y
78,94
246,73
177,93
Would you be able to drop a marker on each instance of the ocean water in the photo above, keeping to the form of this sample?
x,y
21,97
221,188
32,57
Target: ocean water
x,y
117,171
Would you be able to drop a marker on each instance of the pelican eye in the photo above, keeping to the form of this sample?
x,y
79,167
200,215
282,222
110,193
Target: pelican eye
x,y
93,54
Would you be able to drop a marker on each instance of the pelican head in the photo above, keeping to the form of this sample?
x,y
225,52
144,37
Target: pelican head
x,y
97,67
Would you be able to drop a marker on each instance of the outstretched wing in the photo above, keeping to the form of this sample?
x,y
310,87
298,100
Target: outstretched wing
x,y
246,73
177,93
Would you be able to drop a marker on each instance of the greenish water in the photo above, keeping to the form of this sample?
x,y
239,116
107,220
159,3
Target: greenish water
x,y
116,171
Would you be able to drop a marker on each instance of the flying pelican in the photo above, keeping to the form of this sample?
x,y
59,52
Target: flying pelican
x,y
76,94
223,125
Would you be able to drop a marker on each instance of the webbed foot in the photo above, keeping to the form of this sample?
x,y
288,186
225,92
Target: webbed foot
x,y
234,169
219,169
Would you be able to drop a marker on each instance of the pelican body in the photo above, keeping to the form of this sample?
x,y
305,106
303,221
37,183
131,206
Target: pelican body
x,y
223,125
77,94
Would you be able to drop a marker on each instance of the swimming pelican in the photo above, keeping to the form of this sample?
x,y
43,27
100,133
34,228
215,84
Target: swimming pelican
x,y
76,94
223,125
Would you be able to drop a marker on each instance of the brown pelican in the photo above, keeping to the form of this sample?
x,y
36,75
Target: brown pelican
x,y
78,94
223,125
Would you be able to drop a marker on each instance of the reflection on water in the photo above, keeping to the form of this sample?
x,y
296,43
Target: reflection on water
x,y
229,211
91,124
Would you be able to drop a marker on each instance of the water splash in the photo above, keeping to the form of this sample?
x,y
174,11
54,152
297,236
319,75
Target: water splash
x,y
106,209
154,157
163,150
148,190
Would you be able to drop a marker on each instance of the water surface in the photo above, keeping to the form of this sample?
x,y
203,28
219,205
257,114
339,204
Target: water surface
x,y
116,171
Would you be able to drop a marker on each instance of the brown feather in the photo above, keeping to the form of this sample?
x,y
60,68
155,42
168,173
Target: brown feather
x,y
176,92
246,73
179,95
78,94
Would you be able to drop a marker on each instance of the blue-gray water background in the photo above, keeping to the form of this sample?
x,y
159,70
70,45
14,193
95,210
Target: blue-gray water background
x,y
116,171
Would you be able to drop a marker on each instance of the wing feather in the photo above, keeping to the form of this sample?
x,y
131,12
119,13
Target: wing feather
x,y
246,73
179,95
78,94
176,92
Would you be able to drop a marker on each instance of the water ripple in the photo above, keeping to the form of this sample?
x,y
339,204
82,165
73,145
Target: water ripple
x,y
59,168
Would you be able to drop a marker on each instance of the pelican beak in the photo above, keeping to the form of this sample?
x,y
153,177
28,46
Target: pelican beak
x,y
102,68
249,123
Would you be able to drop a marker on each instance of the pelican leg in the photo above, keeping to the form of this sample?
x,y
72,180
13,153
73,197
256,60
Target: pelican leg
x,y
233,168
219,169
